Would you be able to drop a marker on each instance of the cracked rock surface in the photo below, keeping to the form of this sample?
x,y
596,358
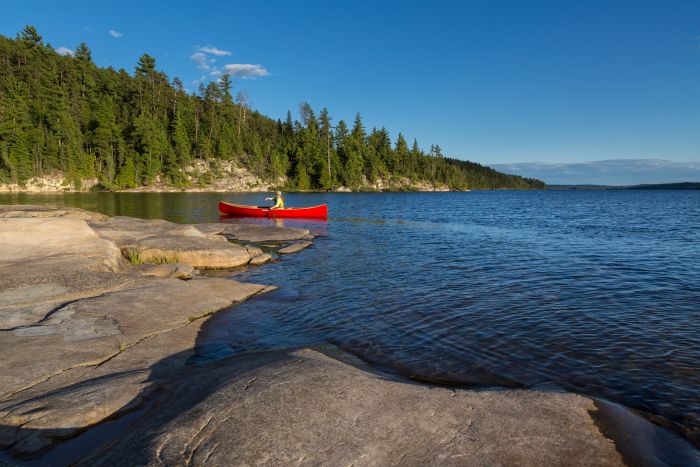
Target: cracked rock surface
x,y
318,406
81,328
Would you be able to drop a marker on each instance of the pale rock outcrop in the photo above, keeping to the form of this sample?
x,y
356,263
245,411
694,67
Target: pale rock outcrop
x,y
126,231
32,240
253,250
260,259
28,210
203,253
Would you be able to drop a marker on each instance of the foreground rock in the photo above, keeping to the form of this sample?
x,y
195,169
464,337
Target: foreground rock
x,y
70,350
309,407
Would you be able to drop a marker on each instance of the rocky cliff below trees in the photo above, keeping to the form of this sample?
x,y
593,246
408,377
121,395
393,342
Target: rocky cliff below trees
x,y
206,176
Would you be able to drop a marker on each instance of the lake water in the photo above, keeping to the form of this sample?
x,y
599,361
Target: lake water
x,y
596,292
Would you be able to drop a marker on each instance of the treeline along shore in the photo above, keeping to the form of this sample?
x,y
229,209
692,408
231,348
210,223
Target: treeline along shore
x,y
63,116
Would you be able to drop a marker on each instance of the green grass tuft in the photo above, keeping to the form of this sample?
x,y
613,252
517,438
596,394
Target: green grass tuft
x,y
133,256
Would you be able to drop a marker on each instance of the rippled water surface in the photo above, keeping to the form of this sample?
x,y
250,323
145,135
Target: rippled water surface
x,y
596,292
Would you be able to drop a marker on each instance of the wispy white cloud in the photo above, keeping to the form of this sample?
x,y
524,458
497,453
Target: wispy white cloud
x,y
205,58
199,80
65,51
214,51
114,33
201,60
607,172
245,70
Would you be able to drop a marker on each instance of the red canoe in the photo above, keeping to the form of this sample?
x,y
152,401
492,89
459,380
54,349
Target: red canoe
x,y
229,209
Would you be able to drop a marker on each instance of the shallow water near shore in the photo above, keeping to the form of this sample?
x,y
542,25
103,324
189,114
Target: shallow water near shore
x,y
588,291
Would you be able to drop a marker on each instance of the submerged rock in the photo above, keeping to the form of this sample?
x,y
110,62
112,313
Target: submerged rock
x,y
253,233
293,248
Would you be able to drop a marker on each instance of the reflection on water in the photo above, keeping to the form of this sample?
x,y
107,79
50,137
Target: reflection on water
x,y
589,291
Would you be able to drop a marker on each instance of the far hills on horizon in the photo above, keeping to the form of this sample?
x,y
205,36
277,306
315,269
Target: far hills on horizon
x,y
609,172
645,186
63,113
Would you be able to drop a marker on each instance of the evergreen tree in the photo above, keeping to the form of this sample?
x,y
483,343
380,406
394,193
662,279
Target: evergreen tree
x,y
356,151
82,53
401,160
181,141
30,37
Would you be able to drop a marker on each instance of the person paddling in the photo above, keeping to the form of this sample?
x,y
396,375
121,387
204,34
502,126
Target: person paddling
x,y
278,199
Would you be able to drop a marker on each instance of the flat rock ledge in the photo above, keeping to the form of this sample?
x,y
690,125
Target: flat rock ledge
x,y
96,370
82,294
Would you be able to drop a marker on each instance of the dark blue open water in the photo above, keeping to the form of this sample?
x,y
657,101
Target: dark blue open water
x,y
596,292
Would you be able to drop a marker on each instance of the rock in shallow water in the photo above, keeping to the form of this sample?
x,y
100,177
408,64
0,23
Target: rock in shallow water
x,y
253,233
253,250
293,248
260,259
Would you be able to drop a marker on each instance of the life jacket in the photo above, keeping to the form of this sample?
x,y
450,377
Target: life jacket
x,y
279,201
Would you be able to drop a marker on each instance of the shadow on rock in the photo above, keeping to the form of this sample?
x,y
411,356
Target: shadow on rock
x,y
322,406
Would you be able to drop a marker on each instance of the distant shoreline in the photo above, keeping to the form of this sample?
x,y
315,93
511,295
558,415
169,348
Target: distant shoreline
x,y
655,186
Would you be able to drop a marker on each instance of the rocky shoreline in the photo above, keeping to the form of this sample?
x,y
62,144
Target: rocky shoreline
x,y
204,178
99,317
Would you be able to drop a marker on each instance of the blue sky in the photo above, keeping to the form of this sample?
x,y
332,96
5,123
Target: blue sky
x,y
497,82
